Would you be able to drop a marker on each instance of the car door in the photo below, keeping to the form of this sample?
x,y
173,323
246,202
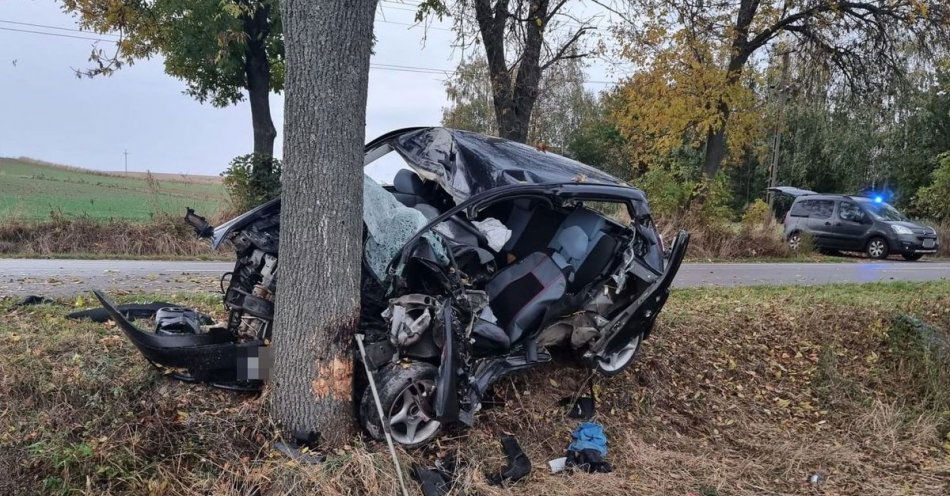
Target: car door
x,y
850,226
820,222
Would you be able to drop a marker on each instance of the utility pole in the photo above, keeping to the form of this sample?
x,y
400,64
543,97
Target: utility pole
x,y
777,137
126,153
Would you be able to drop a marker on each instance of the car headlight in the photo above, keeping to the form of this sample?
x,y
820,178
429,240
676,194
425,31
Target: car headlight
x,y
901,229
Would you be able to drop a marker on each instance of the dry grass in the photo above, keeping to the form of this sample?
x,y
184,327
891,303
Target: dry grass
x,y
724,241
738,392
163,236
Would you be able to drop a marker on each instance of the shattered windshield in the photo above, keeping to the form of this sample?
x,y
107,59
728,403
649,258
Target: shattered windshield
x,y
389,226
882,211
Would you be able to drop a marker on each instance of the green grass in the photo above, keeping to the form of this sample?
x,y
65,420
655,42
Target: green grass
x,y
35,191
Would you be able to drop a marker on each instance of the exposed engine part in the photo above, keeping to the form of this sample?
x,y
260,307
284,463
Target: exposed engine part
x,y
268,275
409,316
578,329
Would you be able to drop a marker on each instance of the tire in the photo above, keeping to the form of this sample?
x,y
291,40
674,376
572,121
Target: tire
x,y
406,394
795,241
877,248
614,363
912,257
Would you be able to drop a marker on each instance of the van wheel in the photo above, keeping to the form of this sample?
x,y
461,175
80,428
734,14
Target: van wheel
x,y
795,241
877,248
912,257
406,394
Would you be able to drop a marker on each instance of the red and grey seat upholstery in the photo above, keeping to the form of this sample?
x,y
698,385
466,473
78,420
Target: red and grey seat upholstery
x,y
520,294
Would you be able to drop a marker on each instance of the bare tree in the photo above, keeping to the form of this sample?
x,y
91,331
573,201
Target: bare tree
x,y
522,39
328,50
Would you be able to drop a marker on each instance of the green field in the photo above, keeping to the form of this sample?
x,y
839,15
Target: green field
x,y
33,190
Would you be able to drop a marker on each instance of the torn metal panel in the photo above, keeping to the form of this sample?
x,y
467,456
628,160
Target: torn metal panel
x,y
466,163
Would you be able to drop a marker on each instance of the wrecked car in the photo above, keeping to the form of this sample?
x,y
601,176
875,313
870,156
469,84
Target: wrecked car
x,y
484,257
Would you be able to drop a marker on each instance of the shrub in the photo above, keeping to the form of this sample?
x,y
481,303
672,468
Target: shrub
x,y
251,180
673,194
931,200
756,214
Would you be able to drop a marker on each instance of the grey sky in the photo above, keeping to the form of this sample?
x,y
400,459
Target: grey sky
x,y
49,114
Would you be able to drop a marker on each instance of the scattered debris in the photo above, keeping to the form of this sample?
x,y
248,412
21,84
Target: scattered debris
x,y
34,300
436,480
519,466
129,310
557,465
579,408
588,449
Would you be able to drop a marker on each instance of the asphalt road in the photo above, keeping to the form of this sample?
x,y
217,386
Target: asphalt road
x,y
65,277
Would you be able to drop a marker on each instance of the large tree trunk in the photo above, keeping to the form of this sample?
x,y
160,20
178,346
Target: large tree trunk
x,y
513,99
257,72
328,46
740,52
715,151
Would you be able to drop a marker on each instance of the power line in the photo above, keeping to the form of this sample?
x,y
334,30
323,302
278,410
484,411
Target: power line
x,y
375,65
47,26
58,34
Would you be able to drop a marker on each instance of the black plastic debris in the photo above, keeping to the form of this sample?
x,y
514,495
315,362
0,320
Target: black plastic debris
x,y
437,480
519,466
34,300
580,408
432,481
300,448
130,311
588,449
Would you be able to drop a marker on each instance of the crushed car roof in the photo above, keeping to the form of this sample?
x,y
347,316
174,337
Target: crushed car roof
x,y
466,163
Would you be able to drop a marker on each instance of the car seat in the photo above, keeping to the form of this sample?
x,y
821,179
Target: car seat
x,y
521,293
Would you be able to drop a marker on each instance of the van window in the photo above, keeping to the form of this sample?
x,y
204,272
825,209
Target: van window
x,y
820,209
850,212
800,209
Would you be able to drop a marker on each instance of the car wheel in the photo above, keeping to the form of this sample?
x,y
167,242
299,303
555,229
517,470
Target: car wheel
x,y
795,241
912,257
877,248
613,363
406,394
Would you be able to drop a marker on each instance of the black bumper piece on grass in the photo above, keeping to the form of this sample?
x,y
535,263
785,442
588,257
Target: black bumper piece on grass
x,y
214,356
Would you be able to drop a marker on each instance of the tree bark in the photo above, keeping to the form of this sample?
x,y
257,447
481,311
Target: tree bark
x,y
740,51
328,46
257,73
716,145
513,99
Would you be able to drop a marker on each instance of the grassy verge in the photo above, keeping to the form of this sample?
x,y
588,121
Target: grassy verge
x,y
743,391
81,237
